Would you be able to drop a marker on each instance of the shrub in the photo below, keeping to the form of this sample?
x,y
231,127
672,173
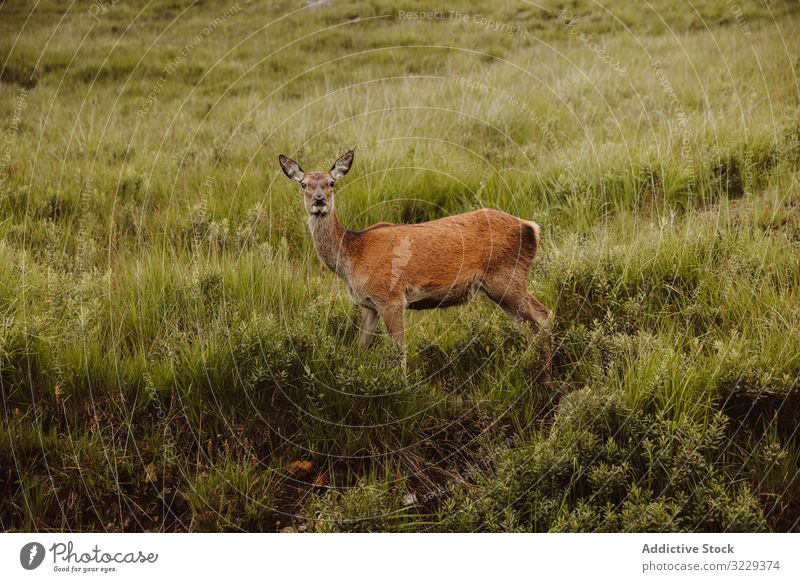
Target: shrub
x,y
606,467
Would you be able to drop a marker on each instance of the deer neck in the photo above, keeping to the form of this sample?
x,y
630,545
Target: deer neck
x,y
329,240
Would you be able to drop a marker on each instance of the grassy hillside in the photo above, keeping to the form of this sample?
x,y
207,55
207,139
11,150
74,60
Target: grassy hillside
x,y
173,356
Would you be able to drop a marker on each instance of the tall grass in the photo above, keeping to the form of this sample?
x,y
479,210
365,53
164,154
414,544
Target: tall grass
x,y
170,343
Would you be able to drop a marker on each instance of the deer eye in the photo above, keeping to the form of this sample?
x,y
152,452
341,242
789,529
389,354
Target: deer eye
x,y
302,184
332,184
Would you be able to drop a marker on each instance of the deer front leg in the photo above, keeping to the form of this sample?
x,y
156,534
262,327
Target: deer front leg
x,y
369,323
393,318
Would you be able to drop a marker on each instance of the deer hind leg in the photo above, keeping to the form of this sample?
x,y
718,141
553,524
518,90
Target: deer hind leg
x,y
393,318
539,320
369,325
529,312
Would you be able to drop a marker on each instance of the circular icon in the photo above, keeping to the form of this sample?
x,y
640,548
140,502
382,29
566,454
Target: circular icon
x,y
31,555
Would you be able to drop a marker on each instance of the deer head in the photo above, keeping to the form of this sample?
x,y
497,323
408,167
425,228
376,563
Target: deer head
x,y
317,186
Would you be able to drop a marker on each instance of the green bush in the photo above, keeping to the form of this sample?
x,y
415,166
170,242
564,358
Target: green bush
x,y
606,467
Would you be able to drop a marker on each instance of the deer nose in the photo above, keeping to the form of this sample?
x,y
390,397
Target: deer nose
x,y
318,199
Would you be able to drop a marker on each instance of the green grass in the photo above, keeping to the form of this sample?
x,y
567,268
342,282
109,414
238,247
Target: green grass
x,y
170,343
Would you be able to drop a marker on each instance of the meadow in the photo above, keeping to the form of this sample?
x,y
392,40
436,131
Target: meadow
x,y
174,356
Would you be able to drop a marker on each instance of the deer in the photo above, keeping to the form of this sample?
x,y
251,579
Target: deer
x,y
389,268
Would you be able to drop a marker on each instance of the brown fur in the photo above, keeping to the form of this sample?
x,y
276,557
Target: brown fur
x,y
389,268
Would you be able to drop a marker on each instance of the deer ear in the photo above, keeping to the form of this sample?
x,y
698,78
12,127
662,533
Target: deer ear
x,y
291,169
342,165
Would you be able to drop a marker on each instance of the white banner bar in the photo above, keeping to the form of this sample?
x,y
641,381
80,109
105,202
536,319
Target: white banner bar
x,y
352,557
